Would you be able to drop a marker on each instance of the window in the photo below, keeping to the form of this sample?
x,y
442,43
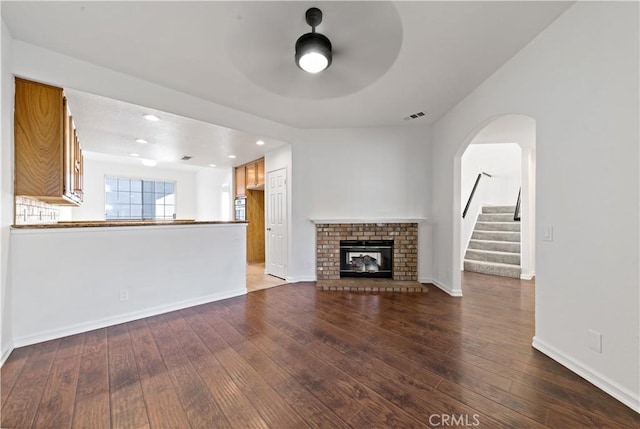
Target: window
x,y
138,199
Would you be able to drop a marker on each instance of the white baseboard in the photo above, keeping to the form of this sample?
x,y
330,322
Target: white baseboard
x,y
425,280
622,394
6,352
301,279
445,288
527,276
128,317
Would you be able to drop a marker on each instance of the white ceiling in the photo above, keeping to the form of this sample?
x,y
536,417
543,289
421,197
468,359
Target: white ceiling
x,y
112,127
391,59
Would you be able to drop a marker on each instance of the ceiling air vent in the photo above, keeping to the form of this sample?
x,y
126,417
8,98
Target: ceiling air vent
x,y
186,158
415,116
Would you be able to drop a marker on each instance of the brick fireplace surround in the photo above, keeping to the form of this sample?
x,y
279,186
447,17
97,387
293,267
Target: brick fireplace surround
x,y
405,246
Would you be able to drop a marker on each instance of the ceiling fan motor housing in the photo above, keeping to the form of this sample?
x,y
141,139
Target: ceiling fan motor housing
x,y
313,17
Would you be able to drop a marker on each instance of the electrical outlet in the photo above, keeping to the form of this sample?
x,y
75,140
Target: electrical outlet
x,y
124,294
595,341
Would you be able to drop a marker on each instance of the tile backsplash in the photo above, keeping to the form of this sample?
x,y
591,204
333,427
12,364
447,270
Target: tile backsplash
x,y
30,211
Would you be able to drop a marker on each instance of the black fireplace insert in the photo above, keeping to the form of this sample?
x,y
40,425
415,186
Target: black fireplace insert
x,y
366,258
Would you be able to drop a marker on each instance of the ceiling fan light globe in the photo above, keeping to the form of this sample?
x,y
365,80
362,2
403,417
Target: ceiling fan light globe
x,y
313,52
313,62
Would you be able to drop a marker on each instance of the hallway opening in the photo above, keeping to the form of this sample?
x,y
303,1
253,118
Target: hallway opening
x,y
506,146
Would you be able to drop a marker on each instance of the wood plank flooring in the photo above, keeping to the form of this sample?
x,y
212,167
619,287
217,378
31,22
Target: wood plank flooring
x,y
295,357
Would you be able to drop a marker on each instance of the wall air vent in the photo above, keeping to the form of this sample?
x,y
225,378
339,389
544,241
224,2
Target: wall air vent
x,y
186,158
415,116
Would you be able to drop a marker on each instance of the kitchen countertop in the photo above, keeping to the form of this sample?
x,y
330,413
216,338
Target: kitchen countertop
x,y
103,223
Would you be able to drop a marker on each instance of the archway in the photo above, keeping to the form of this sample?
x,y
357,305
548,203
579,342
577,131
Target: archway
x,y
509,128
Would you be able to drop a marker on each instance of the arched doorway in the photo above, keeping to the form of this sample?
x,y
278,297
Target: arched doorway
x,y
510,128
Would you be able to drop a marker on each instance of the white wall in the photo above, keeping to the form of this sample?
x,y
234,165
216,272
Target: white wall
x,y
579,80
214,194
163,267
358,173
95,171
503,162
6,195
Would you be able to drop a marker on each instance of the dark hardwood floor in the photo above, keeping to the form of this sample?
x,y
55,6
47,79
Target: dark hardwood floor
x,y
294,357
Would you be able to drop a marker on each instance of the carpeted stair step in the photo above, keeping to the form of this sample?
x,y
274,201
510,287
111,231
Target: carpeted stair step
x,y
493,256
498,226
499,209
494,247
496,217
499,246
493,268
496,236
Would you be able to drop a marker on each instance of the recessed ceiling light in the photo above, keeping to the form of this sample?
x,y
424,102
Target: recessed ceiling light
x,y
152,118
232,157
142,141
134,154
212,165
260,143
149,162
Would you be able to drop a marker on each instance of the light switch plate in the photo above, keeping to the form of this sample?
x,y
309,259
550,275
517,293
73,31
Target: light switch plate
x,y
548,233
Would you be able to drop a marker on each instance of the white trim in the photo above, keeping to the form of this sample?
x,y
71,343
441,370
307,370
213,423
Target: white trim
x,y
109,321
290,279
6,352
446,289
368,220
425,280
527,276
622,394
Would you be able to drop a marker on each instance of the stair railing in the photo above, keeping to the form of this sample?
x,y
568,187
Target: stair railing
x,y
473,191
516,213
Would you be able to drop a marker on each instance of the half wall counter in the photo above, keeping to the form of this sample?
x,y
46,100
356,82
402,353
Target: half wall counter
x,y
73,277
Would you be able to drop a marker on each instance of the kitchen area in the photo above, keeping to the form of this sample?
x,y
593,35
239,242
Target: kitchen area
x,y
101,238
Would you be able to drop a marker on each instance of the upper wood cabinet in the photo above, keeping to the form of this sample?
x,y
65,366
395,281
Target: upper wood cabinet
x,y
250,176
241,179
48,156
255,174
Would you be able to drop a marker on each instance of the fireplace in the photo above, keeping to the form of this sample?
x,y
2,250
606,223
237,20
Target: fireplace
x,y
366,258
403,259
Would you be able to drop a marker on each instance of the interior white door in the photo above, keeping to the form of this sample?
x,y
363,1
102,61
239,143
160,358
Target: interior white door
x,y
276,223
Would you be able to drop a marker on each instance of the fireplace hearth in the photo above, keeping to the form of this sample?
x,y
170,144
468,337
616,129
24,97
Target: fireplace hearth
x,y
366,258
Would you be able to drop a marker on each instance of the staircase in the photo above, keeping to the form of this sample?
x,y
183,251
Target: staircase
x,y
494,247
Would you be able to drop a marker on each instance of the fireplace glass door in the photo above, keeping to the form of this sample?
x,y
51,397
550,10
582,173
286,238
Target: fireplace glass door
x,y
366,258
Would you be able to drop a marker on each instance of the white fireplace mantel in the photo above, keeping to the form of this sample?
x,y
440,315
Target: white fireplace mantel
x,y
369,220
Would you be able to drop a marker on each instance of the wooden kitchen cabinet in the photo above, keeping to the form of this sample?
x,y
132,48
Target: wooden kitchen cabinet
x,y
255,174
250,177
48,157
241,181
